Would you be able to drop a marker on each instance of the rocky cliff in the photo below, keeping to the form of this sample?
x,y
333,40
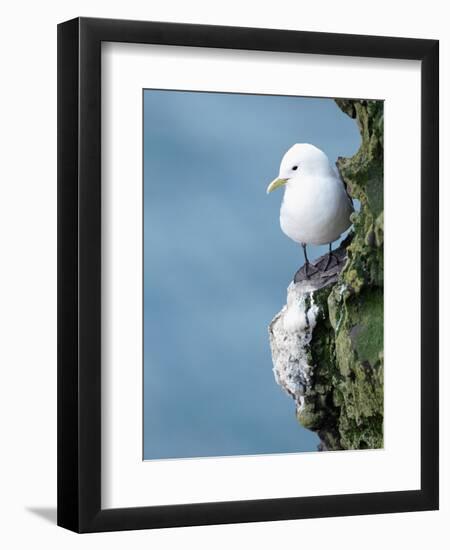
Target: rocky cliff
x,y
327,341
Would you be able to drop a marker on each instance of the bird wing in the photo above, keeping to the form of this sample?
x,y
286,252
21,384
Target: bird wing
x,y
344,185
348,194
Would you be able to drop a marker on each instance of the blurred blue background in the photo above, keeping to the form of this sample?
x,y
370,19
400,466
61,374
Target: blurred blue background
x,y
216,267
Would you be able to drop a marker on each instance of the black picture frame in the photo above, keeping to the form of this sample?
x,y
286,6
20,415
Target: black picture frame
x,y
79,274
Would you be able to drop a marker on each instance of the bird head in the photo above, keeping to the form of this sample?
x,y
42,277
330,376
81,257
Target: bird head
x,y
301,159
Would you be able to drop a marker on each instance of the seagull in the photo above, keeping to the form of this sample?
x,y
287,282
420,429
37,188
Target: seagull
x,y
316,207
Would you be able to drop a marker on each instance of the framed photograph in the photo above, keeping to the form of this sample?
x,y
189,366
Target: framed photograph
x,y
248,275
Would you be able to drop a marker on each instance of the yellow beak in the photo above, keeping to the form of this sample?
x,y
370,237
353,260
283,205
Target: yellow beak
x,y
277,182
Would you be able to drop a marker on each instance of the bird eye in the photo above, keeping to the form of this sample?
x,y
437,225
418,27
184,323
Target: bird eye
x,y
294,167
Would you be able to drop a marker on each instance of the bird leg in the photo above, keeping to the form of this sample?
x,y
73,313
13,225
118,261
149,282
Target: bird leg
x,y
330,255
307,262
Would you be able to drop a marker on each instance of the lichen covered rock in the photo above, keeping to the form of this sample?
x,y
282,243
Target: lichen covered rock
x,y
327,342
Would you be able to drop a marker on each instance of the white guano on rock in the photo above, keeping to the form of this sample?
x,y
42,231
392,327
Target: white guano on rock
x,y
290,334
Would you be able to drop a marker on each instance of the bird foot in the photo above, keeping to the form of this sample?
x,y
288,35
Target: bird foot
x,y
329,262
323,269
305,272
310,269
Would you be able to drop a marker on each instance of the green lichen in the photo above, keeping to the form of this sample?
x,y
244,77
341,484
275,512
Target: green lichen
x,y
368,333
345,403
319,412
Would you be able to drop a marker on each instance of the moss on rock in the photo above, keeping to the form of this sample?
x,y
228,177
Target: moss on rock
x,y
359,336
